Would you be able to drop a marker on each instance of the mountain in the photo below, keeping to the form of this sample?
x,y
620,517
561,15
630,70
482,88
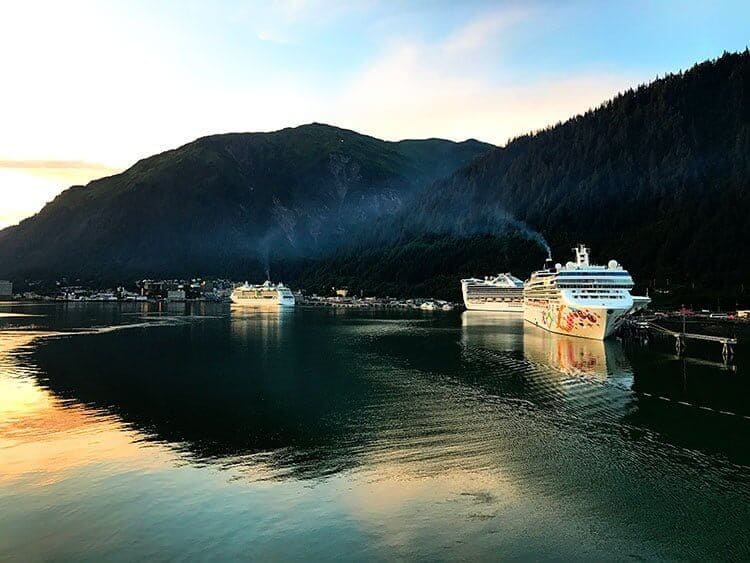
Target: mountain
x,y
658,178
221,204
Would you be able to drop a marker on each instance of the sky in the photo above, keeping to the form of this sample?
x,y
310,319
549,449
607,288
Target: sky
x,y
88,88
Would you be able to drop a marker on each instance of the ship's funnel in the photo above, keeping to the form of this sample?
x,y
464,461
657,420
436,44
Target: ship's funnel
x,y
582,255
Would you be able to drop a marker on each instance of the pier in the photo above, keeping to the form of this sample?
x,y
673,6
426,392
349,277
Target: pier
x,y
681,337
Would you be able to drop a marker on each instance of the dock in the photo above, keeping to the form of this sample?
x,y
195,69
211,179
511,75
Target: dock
x,y
681,337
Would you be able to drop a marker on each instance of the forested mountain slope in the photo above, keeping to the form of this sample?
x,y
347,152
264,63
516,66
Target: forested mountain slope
x,y
658,178
221,204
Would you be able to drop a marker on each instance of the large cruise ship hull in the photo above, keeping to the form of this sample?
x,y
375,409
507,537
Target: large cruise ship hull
x,y
596,323
262,302
265,295
501,294
496,307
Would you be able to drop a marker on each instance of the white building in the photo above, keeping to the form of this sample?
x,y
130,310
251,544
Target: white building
x,y
176,295
6,289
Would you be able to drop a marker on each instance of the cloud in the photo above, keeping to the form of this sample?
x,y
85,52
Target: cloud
x,y
480,31
57,164
286,21
292,8
273,36
447,89
26,185
65,172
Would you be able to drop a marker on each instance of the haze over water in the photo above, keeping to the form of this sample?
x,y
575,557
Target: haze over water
x,y
209,432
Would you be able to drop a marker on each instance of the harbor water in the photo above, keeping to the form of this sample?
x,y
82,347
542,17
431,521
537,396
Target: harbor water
x,y
211,432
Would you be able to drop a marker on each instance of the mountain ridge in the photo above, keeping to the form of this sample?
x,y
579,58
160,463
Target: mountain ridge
x,y
212,205
657,177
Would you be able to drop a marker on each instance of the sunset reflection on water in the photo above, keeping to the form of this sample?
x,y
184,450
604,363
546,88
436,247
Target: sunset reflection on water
x,y
212,431
43,438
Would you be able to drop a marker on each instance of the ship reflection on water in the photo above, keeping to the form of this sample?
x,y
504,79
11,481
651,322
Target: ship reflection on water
x,y
591,378
265,322
496,331
695,403
575,356
568,355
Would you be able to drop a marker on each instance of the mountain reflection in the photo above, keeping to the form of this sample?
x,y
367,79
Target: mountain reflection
x,y
281,393
395,417
44,438
221,392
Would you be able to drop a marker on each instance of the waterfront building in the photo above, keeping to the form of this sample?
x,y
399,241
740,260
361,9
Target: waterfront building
x,y
6,289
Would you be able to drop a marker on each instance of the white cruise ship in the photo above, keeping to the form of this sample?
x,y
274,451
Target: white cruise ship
x,y
580,299
501,293
265,294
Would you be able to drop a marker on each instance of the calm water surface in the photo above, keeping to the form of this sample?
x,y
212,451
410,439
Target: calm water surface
x,y
134,432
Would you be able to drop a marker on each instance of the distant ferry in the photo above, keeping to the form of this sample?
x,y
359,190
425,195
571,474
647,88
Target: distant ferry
x,y
580,299
502,293
265,294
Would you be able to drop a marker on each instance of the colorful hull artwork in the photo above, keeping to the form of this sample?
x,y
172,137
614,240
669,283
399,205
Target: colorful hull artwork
x,y
586,322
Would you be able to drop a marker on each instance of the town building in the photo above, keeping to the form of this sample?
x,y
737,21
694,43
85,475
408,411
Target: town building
x,y
176,294
6,289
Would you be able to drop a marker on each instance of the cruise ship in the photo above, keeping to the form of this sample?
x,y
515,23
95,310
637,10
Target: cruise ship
x,y
580,299
265,294
501,293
